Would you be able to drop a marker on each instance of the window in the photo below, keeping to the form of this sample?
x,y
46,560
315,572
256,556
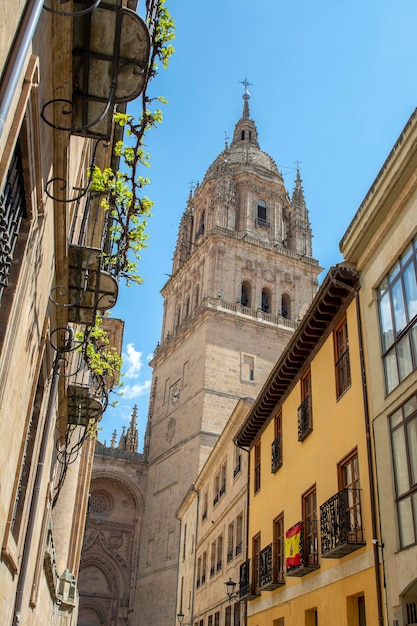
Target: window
x,y
342,362
276,453
238,462
213,559
219,553
205,506
28,460
236,612
217,618
203,568
403,425
286,306
178,316
201,228
349,479
198,572
197,296
310,527
256,548
261,215
184,542
245,294
228,616
279,544
397,299
248,367
220,483
230,541
257,467
305,413
210,620
239,534
12,212
311,618
266,300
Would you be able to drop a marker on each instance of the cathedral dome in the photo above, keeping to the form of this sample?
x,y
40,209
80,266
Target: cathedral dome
x,y
244,151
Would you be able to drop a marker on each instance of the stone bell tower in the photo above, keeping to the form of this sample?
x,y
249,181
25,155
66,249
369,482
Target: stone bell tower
x,y
243,275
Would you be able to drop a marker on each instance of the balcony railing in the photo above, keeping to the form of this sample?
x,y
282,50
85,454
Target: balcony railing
x,y
305,418
276,454
271,567
248,589
306,559
263,223
343,373
341,524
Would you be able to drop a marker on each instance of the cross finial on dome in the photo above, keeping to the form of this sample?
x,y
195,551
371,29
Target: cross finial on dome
x,y
246,84
246,97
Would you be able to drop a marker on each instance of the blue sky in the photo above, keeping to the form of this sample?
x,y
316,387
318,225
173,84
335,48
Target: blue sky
x,y
333,84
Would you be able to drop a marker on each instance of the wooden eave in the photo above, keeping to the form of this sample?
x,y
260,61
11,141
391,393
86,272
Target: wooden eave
x,y
337,290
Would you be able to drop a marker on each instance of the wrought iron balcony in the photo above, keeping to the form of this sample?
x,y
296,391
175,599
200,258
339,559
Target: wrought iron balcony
x,y
248,587
307,559
305,418
276,454
111,48
341,524
271,567
90,289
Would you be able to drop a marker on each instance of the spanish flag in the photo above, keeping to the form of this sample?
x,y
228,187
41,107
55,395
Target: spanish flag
x,y
292,546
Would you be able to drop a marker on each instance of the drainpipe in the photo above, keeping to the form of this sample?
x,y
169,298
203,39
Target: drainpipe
x,y
375,542
17,57
36,490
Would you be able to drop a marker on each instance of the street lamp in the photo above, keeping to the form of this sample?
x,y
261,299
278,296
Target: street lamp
x,y
230,587
180,618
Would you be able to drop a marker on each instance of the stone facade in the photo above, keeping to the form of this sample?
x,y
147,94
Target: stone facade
x,y
243,276
53,285
111,545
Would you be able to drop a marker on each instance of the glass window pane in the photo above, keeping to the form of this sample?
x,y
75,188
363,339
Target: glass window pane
x,y
386,322
405,363
396,418
391,373
407,254
412,448
405,521
410,406
399,453
394,271
399,308
410,284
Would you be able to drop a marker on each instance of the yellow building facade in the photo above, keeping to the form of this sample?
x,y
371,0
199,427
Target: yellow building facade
x,y
313,549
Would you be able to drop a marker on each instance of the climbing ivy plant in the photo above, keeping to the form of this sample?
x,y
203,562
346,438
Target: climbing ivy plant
x,y
123,190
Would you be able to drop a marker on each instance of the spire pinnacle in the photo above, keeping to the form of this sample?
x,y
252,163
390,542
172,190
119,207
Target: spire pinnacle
x,y
246,97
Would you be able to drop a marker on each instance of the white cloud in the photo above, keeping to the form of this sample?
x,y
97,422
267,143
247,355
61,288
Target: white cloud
x,y
135,391
133,360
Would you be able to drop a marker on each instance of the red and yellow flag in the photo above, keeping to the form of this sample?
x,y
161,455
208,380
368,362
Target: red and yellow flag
x,y
292,546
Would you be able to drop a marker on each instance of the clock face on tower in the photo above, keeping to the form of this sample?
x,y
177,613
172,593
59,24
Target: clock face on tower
x,y
175,392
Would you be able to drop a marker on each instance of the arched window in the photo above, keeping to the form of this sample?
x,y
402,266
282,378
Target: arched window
x,y
245,294
261,210
266,300
261,215
187,307
286,306
196,296
200,230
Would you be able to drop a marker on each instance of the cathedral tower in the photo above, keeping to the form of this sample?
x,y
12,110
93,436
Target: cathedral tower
x,y
242,277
